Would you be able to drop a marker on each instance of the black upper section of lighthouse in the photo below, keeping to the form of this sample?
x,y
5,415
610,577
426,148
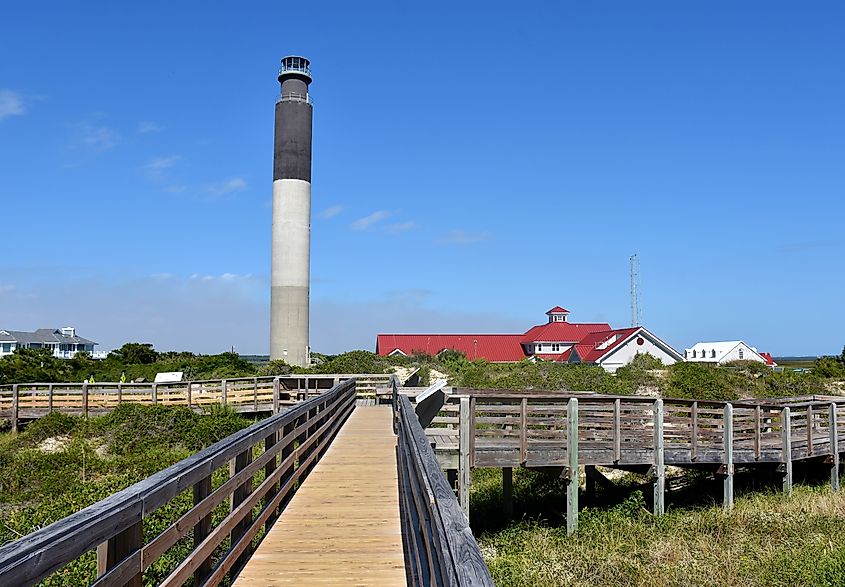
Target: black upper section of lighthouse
x,y
292,151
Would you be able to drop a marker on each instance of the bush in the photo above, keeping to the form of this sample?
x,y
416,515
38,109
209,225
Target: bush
x,y
700,381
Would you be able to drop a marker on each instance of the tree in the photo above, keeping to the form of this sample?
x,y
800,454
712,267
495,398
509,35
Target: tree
x,y
33,366
135,353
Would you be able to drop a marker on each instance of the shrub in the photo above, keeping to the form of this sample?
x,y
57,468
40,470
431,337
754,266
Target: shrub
x,y
700,381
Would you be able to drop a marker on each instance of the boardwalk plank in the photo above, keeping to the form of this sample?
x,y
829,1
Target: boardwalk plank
x,y
342,526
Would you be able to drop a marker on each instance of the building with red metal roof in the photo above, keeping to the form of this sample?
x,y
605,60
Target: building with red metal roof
x,y
558,340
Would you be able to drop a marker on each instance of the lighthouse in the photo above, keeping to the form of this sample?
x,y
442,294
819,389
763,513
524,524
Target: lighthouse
x,y
290,274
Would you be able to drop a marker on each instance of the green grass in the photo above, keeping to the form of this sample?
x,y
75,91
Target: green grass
x,y
61,464
767,540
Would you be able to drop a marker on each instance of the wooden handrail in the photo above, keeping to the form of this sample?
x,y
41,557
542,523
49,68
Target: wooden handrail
x,y
440,549
299,436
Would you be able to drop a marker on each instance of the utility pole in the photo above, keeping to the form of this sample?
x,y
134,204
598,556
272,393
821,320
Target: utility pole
x,y
636,316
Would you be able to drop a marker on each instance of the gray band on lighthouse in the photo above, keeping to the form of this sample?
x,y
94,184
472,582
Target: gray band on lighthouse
x,y
292,155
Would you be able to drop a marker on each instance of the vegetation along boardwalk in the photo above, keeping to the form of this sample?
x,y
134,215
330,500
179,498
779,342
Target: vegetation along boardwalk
x,y
342,527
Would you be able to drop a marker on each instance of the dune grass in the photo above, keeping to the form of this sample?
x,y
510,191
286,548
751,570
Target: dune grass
x,y
769,539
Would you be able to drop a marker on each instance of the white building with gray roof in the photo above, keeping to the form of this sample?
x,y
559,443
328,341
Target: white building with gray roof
x,y
63,342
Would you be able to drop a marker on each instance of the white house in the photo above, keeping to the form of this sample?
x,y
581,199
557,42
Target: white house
x,y
723,352
616,348
63,342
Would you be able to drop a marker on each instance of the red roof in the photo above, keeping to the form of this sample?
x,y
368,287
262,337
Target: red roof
x,y
568,332
588,348
770,361
558,310
497,348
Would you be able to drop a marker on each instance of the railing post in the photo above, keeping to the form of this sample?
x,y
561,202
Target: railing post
x,y
617,430
728,460
240,462
85,400
223,392
276,394
15,408
809,420
463,456
118,547
572,474
188,390
694,433
523,431
659,465
50,398
119,393
833,425
154,392
202,529
270,445
472,431
786,444
758,431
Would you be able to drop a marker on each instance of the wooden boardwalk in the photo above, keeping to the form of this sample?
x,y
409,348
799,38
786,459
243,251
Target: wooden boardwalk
x,y
342,527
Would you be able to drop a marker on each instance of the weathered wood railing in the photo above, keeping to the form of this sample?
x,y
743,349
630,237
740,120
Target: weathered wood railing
x,y
238,487
248,394
507,429
440,549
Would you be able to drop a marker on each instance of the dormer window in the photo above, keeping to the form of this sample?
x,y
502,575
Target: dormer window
x,y
693,354
741,354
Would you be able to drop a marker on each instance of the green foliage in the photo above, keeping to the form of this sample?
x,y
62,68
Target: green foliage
x,y
355,362
276,367
60,464
830,367
33,365
767,540
701,381
135,353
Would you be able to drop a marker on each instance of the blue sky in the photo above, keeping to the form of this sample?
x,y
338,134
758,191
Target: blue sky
x,y
474,165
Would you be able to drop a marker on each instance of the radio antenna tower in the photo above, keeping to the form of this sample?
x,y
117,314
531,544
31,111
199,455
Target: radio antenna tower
x,y
636,316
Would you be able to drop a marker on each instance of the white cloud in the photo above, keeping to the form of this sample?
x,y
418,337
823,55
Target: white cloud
x,y
11,104
331,212
157,167
6,288
367,221
401,227
147,126
229,186
462,237
98,138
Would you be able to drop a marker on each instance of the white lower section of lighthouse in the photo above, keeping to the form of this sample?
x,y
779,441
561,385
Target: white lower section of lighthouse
x,y
291,271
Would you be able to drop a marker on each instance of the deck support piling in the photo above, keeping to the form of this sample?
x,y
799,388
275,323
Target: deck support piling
x,y
728,461
833,425
572,476
786,449
507,491
463,456
659,464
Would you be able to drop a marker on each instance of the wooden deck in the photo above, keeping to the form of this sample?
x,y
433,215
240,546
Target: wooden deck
x,y
342,527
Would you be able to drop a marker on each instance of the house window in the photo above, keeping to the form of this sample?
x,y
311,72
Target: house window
x,y
741,354
555,347
7,347
693,354
539,348
713,354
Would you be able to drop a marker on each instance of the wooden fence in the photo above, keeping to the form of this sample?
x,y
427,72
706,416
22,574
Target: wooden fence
x,y
276,454
27,401
440,549
506,429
